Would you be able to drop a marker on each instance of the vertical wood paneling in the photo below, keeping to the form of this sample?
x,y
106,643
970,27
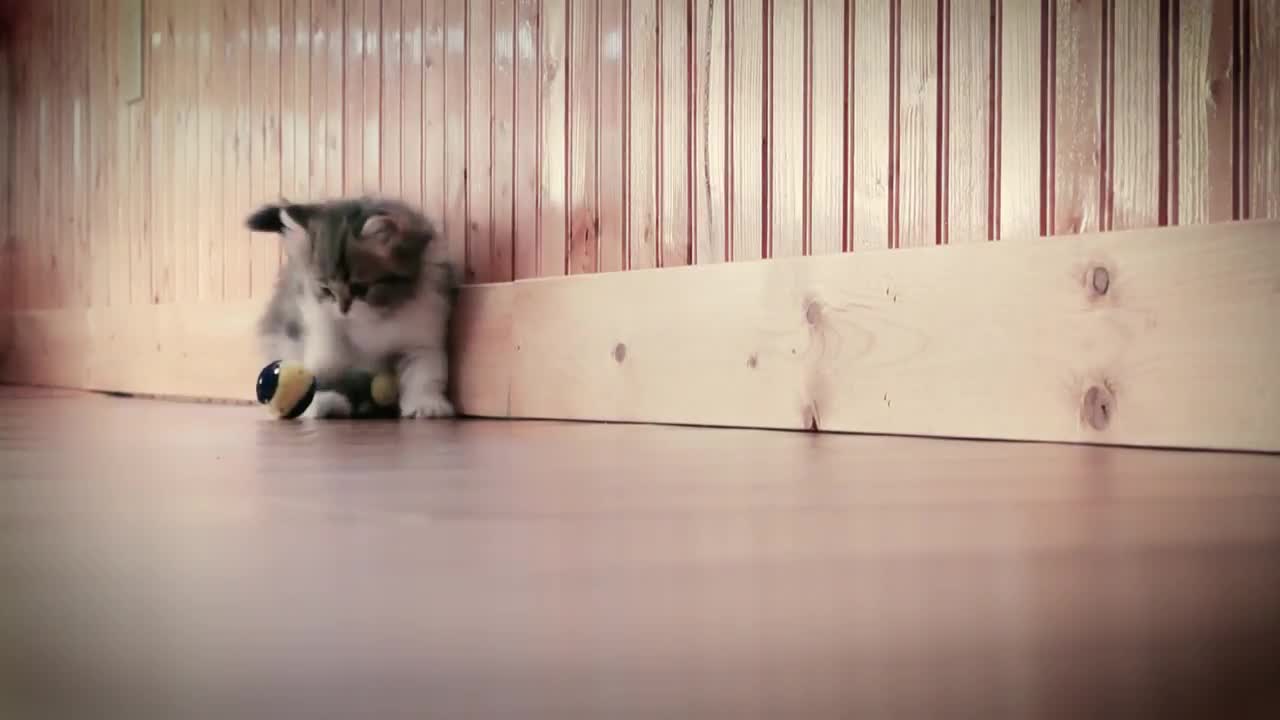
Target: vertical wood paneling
x,y
1136,169
747,219
584,223
479,101
553,228
918,123
7,237
869,94
454,188
610,167
527,147
642,135
390,117
787,119
828,124
966,158
1264,108
502,143
674,140
545,136
1204,112
207,206
1080,122
1019,116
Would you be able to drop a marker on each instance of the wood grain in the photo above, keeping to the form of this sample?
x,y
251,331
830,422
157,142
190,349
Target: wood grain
x,y
207,203
869,150
966,155
675,238
1020,118
611,169
642,138
1204,103
747,218
160,80
711,131
238,200
1264,105
527,148
1139,165
391,158
553,231
828,125
456,92
479,101
502,142
1080,149
583,43
787,119
918,122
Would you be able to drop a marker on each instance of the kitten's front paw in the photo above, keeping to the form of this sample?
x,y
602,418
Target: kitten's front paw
x,y
425,407
330,405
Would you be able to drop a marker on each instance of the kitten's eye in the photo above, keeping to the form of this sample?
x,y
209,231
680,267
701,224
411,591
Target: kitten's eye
x,y
326,293
358,290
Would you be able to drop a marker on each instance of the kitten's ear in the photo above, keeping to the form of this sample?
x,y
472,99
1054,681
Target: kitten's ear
x,y
389,234
381,227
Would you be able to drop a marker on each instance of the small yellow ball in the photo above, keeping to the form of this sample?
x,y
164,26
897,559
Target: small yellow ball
x,y
385,390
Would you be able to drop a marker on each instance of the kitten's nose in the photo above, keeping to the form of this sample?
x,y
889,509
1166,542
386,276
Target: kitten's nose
x,y
344,304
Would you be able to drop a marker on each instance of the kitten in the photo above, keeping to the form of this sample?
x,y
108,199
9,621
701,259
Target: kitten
x,y
365,289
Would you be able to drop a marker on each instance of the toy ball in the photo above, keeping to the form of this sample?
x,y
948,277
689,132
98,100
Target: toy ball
x,y
286,389
384,391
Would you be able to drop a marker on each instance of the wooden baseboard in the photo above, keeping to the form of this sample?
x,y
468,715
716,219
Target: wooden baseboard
x,y
1166,337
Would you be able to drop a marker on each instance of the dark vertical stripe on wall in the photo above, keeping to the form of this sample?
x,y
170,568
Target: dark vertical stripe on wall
x,y
626,134
766,155
1106,131
1240,110
846,212
1170,22
995,37
943,140
690,134
895,144
1048,113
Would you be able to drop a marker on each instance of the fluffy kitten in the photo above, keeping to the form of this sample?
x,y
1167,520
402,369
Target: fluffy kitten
x,y
365,289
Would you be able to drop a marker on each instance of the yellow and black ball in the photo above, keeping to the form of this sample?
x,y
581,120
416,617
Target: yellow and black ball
x,y
286,389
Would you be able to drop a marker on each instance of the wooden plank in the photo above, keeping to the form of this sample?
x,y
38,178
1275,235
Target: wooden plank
x,y
918,124
8,229
553,223
138,152
266,151
747,219
966,152
434,155
479,129
828,124
329,55
788,115
185,192
1173,346
413,121
160,106
711,127
48,285
1135,172
1205,97
526,145
502,140
207,204
642,136
1264,107
675,195
371,67
101,121
132,49
869,105
885,342
21,246
238,254
611,169
353,97
295,119
584,222
1079,152
455,130
77,178
1019,119
391,118
118,174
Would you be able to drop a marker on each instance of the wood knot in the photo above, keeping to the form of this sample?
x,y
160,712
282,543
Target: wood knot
x,y
1098,406
812,312
620,352
1099,280
753,360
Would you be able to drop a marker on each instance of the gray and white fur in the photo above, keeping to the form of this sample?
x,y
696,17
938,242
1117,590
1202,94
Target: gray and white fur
x,y
366,288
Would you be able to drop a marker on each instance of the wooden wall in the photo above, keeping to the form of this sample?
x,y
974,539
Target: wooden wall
x,y
571,136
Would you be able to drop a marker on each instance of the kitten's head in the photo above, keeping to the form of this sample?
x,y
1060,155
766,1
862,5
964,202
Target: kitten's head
x,y
352,251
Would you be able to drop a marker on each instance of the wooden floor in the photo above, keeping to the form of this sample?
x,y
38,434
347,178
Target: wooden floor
x,y
170,560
